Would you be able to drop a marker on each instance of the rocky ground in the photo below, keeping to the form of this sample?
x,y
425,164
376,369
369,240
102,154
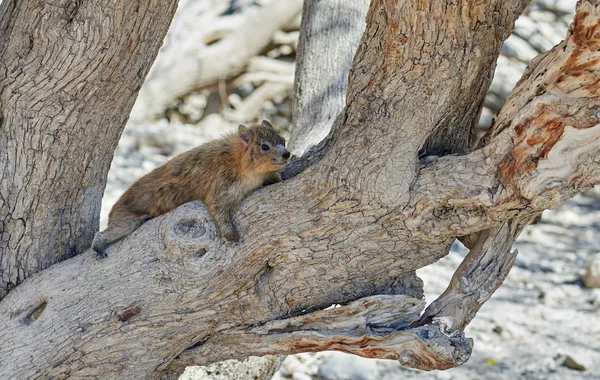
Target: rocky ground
x,y
543,323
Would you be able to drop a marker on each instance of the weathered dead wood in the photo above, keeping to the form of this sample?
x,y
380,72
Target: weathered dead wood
x,y
261,69
354,225
250,108
376,326
199,54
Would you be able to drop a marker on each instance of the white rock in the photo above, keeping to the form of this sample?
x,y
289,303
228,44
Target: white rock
x,y
591,279
340,366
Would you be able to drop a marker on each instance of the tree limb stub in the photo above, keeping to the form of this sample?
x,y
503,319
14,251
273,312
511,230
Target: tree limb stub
x,y
319,239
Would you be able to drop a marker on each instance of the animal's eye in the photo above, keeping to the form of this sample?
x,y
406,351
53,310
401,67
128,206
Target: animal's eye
x,y
264,147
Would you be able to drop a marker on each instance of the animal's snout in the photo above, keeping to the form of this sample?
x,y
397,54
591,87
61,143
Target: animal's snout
x,y
286,154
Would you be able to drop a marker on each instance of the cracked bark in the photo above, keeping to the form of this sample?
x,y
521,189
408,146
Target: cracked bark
x,y
68,79
348,230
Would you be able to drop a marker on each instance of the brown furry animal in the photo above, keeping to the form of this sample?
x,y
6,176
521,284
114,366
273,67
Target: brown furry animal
x,y
220,173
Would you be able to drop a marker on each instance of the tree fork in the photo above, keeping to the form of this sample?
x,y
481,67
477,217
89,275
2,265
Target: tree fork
x,y
329,235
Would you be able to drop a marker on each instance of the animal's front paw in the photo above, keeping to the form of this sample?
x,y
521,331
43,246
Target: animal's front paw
x,y
231,238
99,255
99,246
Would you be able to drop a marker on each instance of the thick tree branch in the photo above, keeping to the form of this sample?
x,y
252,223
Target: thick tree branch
x,y
353,226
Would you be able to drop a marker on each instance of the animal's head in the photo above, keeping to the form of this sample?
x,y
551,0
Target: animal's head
x,y
267,152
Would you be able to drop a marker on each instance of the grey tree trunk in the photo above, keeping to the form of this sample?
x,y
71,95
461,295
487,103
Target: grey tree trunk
x,y
356,217
70,74
331,31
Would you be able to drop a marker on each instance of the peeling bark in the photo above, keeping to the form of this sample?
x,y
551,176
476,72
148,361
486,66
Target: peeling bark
x,y
348,230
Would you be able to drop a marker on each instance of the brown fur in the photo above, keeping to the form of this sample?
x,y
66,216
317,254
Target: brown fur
x,y
220,173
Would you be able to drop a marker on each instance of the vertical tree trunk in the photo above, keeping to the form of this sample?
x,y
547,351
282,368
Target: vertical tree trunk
x,y
331,31
70,74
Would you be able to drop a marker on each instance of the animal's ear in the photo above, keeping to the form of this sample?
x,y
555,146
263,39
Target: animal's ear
x,y
266,123
245,134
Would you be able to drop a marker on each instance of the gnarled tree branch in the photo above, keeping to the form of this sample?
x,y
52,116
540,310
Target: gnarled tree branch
x,y
376,326
351,229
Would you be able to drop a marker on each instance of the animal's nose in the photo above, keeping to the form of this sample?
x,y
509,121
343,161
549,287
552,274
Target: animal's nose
x,y
286,154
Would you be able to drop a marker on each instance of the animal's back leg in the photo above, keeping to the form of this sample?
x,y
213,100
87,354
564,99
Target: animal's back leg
x,y
115,231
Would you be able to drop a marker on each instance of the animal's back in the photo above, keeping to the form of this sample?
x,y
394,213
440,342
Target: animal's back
x,y
187,177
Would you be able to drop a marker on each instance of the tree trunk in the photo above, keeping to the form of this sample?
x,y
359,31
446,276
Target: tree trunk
x,y
70,74
331,30
350,226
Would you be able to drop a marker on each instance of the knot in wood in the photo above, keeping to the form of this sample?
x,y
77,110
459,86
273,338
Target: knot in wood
x,y
189,231
191,228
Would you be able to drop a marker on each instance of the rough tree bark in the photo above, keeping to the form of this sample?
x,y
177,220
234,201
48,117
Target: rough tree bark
x,y
349,229
69,76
